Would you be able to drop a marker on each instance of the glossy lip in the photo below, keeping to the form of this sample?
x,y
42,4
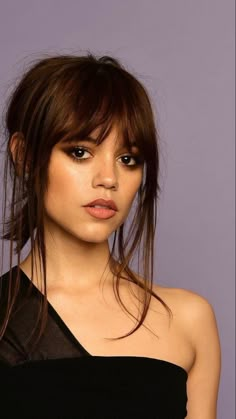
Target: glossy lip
x,y
108,203
102,213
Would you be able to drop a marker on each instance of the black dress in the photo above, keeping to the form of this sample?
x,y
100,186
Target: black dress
x,y
60,379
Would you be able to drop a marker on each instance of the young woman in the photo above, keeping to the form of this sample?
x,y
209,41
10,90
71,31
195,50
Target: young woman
x,y
83,335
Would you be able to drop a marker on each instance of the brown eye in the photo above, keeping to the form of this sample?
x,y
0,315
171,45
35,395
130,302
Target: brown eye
x,y
131,160
77,153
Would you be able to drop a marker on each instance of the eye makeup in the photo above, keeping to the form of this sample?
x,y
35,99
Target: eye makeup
x,y
136,157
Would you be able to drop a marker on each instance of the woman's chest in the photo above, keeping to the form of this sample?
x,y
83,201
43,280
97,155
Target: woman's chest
x,y
95,321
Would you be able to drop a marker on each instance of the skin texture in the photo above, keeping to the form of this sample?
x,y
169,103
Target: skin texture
x,y
77,243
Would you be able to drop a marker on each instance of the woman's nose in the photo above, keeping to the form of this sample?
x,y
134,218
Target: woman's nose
x,y
106,175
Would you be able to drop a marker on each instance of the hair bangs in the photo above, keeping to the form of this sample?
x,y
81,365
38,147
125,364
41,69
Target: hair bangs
x,y
104,99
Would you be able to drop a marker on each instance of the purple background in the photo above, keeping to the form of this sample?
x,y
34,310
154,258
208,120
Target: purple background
x,y
183,51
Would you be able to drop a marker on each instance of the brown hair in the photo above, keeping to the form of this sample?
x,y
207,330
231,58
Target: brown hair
x,y
68,96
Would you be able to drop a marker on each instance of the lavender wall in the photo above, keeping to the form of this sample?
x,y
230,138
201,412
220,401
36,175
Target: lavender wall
x,y
183,51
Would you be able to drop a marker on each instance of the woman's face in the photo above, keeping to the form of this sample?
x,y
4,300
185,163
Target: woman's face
x,y
81,172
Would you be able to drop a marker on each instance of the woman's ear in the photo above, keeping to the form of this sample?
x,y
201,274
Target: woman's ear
x,y
17,149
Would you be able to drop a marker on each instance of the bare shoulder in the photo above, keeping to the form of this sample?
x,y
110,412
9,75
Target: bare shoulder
x,y
191,311
187,302
193,308
184,299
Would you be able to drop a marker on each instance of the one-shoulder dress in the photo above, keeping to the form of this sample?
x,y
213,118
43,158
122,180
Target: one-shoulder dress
x,y
59,379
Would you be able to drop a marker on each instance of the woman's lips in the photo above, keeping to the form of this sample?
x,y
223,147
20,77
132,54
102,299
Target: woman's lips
x,y
103,202
102,213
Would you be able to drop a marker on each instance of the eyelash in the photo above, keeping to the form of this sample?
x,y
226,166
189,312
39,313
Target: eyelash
x,y
136,158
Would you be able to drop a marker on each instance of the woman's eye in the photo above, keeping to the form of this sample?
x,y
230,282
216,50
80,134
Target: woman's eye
x,y
79,152
130,160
